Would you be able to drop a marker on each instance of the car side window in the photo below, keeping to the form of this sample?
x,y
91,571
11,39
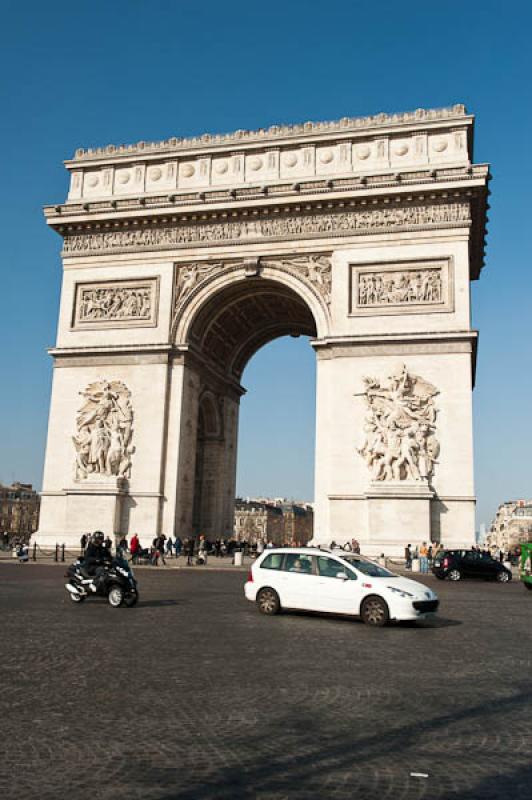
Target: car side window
x,y
329,568
299,563
273,561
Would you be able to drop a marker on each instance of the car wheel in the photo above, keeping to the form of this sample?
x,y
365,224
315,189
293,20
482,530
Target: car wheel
x,y
454,575
116,597
503,577
268,601
375,612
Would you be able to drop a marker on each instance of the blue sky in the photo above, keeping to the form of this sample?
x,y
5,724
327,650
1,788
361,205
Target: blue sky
x,y
93,73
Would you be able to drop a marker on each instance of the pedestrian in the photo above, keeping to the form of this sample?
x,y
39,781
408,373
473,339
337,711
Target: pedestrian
x,y
169,547
108,543
83,543
260,547
178,546
134,547
161,546
202,550
348,547
408,557
155,553
189,551
121,550
423,558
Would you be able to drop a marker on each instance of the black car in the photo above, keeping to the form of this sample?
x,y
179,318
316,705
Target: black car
x,y
457,564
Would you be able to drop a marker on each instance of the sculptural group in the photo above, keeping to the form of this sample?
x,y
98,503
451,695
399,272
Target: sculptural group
x,y
104,423
400,428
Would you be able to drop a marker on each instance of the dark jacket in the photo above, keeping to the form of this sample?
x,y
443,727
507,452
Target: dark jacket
x,y
95,556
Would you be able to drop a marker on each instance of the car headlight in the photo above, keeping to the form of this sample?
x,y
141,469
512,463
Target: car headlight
x,y
400,592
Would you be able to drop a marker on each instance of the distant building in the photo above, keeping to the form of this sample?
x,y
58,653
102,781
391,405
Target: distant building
x,y
19,511
256,520
298,522
274,520
511,525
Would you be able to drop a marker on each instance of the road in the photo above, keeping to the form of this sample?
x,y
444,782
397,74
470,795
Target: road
x,y
194,695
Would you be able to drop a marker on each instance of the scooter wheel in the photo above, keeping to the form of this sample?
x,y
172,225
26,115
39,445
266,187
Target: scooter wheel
x,y
131,600
76,598
116,597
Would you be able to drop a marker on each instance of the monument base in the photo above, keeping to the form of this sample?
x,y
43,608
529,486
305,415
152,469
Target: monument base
x,y
91,505
398,514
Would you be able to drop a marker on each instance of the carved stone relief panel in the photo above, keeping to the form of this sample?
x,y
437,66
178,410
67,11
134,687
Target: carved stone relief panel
x,y
400,427
116,304
413,287
104,429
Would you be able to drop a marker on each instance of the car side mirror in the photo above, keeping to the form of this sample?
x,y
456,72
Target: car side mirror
x,y
342,576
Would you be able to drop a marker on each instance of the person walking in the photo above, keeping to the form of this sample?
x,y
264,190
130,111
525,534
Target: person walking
x,y
134,547
178,546
121,550
83,543
408,557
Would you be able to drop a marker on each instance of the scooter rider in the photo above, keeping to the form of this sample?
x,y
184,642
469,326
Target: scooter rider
x,y
97,556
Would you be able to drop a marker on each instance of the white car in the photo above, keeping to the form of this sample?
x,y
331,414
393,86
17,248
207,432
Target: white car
x,y
336,582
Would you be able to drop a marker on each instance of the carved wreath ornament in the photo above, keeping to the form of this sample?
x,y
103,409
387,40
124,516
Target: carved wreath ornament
x,y
104,431
400,428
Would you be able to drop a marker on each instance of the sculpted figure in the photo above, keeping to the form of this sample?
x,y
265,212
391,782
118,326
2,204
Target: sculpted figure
x,y
400,441
104,423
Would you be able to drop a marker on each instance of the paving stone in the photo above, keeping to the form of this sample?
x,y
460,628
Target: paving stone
x,y
194,695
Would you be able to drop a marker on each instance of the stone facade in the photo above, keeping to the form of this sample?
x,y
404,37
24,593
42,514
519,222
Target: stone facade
x,y
19,511
258,521
511,525
182,258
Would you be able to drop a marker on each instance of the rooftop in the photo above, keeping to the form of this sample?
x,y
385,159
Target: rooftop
x,y
345,124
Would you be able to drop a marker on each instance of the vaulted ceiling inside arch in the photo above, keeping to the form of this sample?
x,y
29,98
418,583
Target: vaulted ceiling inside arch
x,y
236,322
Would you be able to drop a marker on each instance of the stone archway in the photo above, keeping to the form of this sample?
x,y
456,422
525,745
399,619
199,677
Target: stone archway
x,y
182,258
230,315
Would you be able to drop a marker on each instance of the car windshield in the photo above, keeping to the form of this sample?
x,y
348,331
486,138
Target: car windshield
x,y
368,567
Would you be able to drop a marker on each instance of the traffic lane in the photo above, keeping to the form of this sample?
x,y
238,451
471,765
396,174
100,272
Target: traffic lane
x,y
195,694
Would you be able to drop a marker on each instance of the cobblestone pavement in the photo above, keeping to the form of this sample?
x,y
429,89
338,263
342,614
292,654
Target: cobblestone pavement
x,y
193,695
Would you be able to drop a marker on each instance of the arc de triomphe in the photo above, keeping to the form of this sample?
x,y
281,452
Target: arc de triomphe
x,y
183,257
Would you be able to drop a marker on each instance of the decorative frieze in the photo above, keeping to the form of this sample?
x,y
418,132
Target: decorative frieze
x,y
116,304
334,223
401,288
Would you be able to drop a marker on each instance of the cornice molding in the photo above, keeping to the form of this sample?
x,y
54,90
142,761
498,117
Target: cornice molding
x,y
275,133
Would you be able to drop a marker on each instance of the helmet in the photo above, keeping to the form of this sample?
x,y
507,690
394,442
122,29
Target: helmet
x,y
98,537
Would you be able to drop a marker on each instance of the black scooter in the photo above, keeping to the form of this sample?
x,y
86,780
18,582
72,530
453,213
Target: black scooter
x,y
117,583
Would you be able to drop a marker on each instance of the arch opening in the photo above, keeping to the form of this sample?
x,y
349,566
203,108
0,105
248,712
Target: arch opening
x,y
227,329
237,321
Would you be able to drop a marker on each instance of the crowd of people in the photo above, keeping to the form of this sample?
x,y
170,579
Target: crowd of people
x,y
196,550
